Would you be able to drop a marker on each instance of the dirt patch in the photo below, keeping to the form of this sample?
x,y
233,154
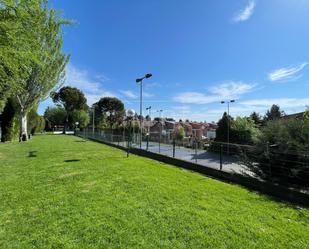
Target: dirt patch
x,y
70,175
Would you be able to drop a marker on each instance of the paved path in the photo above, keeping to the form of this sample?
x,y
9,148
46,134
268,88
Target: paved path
x,y
209,159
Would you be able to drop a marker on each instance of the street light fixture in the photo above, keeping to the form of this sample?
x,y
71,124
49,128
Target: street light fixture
x,y
149,110
76,126
130,114
140,81
228,122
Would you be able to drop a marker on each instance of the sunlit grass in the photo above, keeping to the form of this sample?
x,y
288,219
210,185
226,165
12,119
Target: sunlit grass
x,y
63,192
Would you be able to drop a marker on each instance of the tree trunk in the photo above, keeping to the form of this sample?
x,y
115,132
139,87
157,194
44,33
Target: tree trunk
x,y
23,126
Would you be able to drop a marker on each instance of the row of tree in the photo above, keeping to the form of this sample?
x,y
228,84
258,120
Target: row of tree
x,y
31,60
246,130
71,111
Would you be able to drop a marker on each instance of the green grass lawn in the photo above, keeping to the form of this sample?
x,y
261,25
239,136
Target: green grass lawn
x,y
63,192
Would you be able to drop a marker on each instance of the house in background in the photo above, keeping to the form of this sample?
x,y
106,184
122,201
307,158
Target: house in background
x,y
299,116
165,130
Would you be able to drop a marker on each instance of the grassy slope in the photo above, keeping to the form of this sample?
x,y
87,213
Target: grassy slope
x,y
62,192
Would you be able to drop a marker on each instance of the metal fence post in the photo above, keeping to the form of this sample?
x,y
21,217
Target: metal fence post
x,y
147,142
221,150
174,145
195,141
129,138
160,142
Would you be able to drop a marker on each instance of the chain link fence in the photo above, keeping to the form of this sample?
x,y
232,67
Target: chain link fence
x,y
287,168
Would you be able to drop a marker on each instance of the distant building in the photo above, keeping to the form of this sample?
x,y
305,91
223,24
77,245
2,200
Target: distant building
x,y
299,115
165,130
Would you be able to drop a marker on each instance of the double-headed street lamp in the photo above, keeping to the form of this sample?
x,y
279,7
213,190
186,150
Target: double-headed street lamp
x,y
140,81
149,110
228,122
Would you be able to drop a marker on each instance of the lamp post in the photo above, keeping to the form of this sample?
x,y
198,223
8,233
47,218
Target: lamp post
x,y
140,81
130,114
76,126
228,122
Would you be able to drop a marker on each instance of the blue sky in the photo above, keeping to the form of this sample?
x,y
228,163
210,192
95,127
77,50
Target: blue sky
x,y
199,52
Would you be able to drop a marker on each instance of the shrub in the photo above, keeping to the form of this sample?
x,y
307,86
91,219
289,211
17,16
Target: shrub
x,y
9,122
180,134
281,152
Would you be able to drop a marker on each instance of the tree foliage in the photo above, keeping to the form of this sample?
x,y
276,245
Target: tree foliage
x,y
244,131
82,117
9,122
36,123
280,152
180,134
55,116
273,113
70,98
223,126
257,119
32,62
112,106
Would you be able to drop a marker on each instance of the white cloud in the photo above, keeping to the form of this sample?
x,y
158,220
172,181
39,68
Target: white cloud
x,y
132,95
129,94
195,98
224,91
282,102
92,86
152,85
232,89
245,13
288,73
147,94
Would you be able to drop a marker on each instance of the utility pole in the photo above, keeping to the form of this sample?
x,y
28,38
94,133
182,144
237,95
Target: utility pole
x,y
140,81
228,123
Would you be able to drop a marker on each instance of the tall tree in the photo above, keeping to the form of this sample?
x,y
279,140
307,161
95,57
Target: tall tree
x,y
274,113
223,125
15,46
257,119
43,29
70,98
111,108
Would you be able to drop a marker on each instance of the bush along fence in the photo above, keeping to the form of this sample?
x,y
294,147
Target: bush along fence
x,y
283,176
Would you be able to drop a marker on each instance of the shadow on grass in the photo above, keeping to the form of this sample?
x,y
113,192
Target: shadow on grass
x,y
32,153
72,160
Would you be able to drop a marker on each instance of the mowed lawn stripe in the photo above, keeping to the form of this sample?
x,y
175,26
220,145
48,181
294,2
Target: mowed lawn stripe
x,y
65,192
